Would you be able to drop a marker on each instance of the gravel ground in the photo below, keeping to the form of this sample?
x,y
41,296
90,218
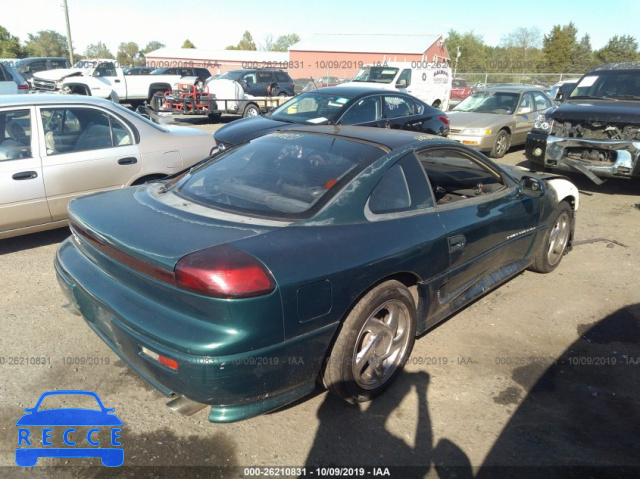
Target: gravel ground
x,y
542,372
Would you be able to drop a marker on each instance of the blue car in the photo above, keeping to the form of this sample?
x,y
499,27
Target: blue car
x,y
70,417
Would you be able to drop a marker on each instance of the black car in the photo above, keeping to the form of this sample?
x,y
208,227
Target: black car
x,y
137,70
596,129
183,71
258,82
28,66
340,105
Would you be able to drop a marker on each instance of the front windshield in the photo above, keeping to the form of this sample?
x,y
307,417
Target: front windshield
x,y
230,76
311,108
375,74
284,175
604,84
489,102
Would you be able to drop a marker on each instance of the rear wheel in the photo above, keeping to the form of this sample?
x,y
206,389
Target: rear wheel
x,y
373,344
556,240
251,110
501,145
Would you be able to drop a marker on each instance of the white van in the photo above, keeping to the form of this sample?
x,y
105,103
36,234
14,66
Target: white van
x,y
428,81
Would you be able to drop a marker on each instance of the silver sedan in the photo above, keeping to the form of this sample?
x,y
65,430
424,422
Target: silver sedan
x,y
494,119
54,148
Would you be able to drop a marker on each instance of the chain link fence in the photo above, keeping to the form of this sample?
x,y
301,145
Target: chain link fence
x,y
481,80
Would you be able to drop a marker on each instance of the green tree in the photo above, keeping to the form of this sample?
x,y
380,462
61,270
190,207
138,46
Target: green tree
x,y
619,49
152,46
9,45
558,48
187,44
246,43
129,54
519,51
473,51
582,58
46,43
98,50
284,42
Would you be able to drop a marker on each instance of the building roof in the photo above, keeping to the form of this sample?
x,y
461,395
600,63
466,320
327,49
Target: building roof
x,y
415,44
223,55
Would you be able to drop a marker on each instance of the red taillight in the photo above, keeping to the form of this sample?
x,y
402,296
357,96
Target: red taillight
x,y
444,119
23,87
224,272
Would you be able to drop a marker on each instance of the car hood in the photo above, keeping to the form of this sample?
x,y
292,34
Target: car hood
x,y
469,119
156,228
69,417
59,74
623,111
247,129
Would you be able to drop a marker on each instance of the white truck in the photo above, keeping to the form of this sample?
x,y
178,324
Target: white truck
x,y
428,81
103,78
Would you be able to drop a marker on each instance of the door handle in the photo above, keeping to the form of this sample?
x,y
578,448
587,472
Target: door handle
x,y
116,81
131,160
457,242
25,175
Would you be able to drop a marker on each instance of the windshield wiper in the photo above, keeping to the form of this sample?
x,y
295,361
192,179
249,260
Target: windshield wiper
x,y
590,97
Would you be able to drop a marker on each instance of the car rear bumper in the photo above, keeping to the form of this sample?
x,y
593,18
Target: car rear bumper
x,y
237,386
595,158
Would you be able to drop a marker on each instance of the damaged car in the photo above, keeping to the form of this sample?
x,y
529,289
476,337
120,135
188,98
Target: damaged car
x,y
314,255
596,131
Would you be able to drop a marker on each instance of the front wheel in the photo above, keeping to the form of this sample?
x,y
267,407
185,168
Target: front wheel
x,y
373,344
556,240
501,145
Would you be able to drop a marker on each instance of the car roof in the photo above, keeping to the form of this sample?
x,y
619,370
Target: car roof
x,y
49,99
511,89
390,139
352,91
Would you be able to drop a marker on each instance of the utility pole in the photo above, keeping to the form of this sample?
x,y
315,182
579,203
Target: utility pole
x,y
455,68
69,44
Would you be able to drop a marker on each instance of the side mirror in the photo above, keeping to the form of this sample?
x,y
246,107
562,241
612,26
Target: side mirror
x,y
530,186
559,96
401,83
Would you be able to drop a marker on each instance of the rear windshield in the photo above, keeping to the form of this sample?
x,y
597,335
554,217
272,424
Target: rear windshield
x,y
282,176
230,76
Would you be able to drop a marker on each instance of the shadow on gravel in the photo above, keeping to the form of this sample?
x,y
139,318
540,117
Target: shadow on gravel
x,y
579,417
33,240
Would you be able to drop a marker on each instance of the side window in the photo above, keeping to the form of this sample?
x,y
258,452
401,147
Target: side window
x,y
541,101
365,110
249,78
265,77
58,64
392,193
406,76
282,77
70,130
396,107
403,188
526,104
4,74
15,127
107,69
455,176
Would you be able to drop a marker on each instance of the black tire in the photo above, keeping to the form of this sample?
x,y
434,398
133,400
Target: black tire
x,y
373,344
251,110
156,101
501,145
436,104
282,93
555,242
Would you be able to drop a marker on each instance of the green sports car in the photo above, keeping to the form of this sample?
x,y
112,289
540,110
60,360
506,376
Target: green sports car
x,y
304,257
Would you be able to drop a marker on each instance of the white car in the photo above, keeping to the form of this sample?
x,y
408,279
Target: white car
x,y
11,81
54,148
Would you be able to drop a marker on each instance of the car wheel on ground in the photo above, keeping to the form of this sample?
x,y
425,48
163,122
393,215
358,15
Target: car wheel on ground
x,y
556,239
501,145
251,110
373,344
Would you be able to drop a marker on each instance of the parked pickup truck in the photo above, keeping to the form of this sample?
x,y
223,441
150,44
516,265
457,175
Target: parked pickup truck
x,y
104,79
